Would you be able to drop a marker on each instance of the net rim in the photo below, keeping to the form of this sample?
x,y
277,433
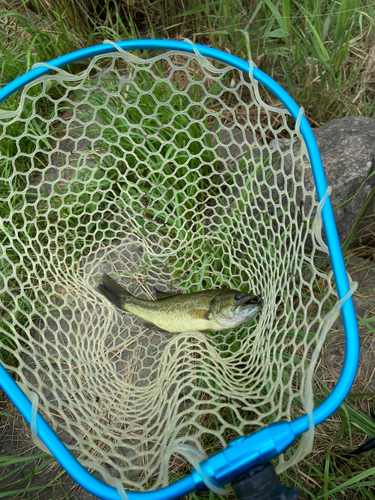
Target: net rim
x,y
338,394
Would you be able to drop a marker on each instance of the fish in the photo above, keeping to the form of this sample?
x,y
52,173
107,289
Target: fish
x,y
205,311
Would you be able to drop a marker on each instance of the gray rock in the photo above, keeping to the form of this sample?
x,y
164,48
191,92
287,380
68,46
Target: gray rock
x,y
347,149
362,271
239,150
234,143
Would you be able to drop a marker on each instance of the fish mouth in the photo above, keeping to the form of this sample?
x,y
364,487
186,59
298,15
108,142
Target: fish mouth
x,y
251,300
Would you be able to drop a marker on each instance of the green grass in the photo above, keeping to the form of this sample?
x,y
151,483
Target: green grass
x,y
316,50
11,485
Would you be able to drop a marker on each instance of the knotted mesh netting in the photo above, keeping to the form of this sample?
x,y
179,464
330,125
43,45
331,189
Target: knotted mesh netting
x,y
167,172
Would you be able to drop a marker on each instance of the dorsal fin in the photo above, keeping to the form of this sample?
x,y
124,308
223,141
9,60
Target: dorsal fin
x,y
164,295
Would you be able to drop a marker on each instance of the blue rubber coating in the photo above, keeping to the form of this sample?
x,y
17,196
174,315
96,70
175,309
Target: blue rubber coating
x,y
298,426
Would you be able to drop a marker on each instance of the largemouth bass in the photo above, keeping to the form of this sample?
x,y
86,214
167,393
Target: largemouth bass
x,y
207,311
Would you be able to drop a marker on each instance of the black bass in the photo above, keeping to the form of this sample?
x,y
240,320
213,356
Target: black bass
x,y
207,311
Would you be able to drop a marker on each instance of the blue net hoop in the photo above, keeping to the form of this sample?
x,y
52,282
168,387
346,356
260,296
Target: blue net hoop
x,y
247,452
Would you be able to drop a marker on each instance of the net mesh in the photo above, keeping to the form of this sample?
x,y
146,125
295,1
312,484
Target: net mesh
x,y
169,172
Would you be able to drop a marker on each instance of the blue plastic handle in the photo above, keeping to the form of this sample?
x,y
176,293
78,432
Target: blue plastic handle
x,y
242,451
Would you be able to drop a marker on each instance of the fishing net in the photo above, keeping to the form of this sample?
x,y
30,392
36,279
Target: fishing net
x,y
167,172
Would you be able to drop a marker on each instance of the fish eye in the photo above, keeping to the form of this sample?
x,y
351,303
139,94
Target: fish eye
x,y
238,296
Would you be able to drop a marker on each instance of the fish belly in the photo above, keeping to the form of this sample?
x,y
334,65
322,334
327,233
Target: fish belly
x,y
178,326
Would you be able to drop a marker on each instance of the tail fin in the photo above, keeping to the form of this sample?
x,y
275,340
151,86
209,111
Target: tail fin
x,y
114,292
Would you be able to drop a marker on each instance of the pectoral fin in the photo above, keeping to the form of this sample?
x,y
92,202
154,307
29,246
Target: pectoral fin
x,y
199,313
153,327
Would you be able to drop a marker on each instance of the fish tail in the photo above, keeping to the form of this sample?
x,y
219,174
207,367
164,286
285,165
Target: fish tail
x,y
114,292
